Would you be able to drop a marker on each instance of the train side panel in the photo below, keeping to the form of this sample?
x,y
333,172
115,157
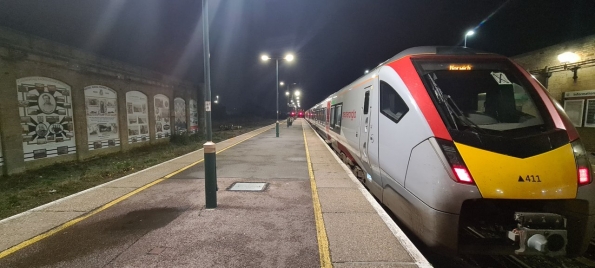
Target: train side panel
x,y
400,129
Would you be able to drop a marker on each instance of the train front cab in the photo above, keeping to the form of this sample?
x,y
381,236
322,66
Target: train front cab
x,y
496,155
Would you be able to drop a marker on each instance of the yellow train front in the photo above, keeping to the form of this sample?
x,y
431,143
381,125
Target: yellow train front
x,y
468,150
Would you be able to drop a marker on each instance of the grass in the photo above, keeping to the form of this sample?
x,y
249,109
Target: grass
x,y
33,188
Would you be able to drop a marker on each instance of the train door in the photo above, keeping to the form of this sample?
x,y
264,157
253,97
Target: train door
x,y
364,127
367,141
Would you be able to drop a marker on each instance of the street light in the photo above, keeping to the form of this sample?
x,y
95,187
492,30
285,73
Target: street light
x,y
469,33
288,57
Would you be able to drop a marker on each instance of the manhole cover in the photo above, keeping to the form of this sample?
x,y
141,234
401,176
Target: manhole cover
x,y
248,186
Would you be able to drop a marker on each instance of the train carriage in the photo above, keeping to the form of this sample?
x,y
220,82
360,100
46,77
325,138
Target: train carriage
x,y
451,140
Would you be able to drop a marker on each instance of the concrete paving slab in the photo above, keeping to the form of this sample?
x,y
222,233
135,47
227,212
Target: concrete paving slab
x,y
364,239
140,179
333,182
136,181
31,223
323,160
343,200
90,200
331,174
327,167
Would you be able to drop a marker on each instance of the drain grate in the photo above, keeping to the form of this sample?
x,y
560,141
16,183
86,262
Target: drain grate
x,y
248,186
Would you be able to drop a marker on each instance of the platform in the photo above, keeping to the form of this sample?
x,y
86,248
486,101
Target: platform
x,y
282,202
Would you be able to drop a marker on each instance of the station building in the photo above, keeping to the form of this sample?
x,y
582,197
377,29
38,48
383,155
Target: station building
x,y
62,104
567,70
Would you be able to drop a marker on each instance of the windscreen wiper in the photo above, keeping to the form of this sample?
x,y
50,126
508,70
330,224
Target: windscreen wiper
x,y
462,116
441,99
454,113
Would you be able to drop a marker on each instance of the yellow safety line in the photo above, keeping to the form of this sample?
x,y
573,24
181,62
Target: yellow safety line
x,y
323,249
65,225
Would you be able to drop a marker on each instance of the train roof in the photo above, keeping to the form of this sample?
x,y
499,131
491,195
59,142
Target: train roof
x,y
424,50
437,50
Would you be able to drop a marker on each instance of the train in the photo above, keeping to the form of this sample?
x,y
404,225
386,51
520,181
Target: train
x,y
467,150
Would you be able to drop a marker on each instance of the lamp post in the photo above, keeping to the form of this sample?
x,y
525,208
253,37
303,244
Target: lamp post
x,y
288,57
287,103
469,33
296,95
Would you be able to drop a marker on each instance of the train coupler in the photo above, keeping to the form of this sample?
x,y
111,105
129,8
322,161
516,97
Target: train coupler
x,y
539,234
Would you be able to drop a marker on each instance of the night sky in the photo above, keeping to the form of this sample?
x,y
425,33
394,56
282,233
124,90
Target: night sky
x,y
334,41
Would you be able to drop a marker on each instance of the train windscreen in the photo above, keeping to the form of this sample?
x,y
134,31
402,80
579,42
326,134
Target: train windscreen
x,y
486,96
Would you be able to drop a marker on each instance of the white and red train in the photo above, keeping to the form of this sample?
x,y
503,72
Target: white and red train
x,y
451,139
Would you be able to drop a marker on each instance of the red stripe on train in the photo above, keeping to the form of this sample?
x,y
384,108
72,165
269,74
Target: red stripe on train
x,y
404,67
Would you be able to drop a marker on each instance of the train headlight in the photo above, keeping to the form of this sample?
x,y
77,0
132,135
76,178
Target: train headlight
x,y
583,166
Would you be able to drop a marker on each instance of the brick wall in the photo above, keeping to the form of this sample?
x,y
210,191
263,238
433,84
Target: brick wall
x,y
561,80
60,131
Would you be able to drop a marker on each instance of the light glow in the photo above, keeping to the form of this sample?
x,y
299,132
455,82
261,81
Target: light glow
x,y
469,33
462,174
289,57
265,57
569,57
583,175
281,83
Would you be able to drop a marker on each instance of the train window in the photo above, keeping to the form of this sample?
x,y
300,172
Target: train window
x,y
391,104
366,102
333,117
338,115
487,96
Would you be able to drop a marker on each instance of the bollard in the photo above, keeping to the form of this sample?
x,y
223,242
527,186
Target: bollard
x,y
210,153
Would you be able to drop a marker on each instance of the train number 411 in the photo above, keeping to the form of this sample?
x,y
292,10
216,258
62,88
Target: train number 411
x,y
530,178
